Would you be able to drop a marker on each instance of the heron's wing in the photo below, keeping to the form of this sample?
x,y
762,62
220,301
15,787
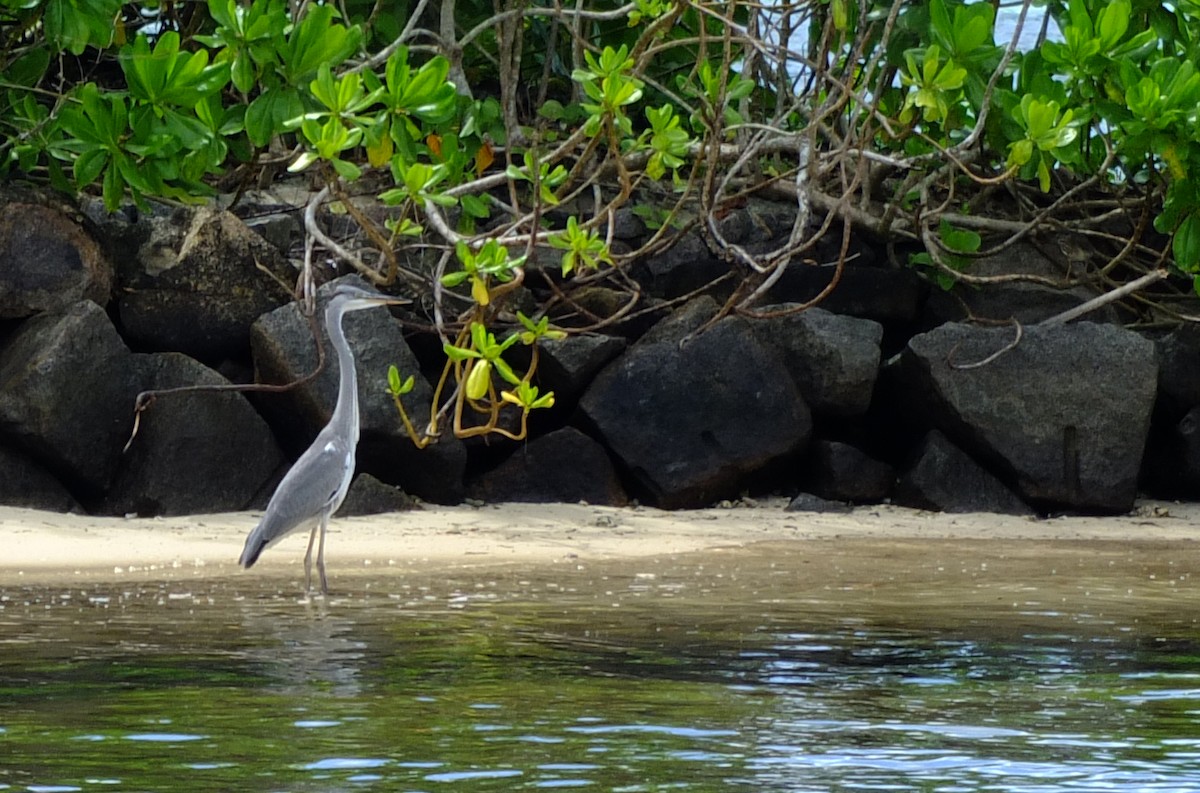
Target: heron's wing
x,y
311,487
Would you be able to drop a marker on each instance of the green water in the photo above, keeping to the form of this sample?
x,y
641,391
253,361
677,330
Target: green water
x,y
755,672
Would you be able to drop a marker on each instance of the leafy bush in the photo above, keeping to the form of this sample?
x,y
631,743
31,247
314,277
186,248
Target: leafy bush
x,y
904,119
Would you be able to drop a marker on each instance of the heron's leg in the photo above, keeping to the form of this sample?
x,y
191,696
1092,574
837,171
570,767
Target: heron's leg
x,y
321,553
308,558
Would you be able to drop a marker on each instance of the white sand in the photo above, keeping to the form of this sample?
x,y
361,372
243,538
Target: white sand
x,y
46,547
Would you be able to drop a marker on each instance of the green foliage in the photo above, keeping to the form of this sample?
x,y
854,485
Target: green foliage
x,y
934,85
75,25
608,104
581,247
547,178
956,242
480,267
668,142
1046,130
610,85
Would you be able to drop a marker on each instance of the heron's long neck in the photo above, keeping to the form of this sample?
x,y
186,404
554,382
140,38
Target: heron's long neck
x,y
346,411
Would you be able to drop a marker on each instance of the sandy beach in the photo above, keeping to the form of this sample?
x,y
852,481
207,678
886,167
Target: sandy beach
x,y
41,547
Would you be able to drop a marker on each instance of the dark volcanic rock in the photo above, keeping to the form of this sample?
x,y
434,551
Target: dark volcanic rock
x,y
66,395
1173,459
693,424
834,358
194,452
567,366
807,502
883,294
944,478
686,266
1027,303
1179,371
284,352
24,483
47,260
840,472
1063,416
197,288
1189,435
369,496
564,465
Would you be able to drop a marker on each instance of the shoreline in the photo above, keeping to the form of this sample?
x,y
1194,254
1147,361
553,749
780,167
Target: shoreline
x,y
45,548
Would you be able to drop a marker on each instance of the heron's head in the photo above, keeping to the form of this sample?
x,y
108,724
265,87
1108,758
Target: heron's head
x,y
348,297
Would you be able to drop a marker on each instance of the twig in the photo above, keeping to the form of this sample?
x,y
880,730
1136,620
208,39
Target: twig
x,y
1104,299
1012,345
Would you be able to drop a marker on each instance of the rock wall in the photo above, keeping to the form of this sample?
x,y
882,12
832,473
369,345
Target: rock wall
x,y
883,392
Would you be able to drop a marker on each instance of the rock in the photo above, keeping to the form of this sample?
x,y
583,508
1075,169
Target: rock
x,y
369,496
197,288
883,294
66,395
194,453
945,478
284,353
807,502
48,261
1027,302
1024,302
627,225
279,229
1062,417
834,358
1172,468
564,465
1189,436
682,322
685,267
603,303
840,472
24,483
694,424
567,366
1179,372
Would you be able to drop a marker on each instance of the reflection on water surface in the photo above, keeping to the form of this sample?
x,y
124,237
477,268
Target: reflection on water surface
x,y
933,667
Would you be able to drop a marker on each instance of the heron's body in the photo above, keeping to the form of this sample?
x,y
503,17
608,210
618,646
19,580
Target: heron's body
x,y
316,485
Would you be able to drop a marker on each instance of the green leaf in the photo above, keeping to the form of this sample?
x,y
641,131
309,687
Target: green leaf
x,y
269,113
474,206
28,69
1186,244
1113,22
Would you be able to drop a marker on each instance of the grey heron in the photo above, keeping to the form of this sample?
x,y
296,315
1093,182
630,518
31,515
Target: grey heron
x,y
315,486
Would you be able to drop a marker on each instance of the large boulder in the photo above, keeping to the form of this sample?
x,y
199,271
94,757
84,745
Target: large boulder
x,y
840,472
25,483
66,395
884,294
194,452
369,496
564,465
944,478
834,358
197,284
567,366
1024,301
1178,372
1172,468
694,423
1062,415
48,260
284,352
